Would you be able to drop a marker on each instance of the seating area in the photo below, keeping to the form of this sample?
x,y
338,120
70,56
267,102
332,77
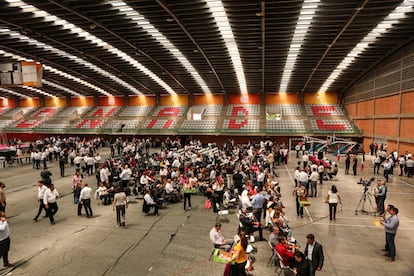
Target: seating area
x,y
135,111
4,110
169,111
5,123
160,124
14,111
103,111
324,110
211,110
28,123
243,110
128,124
89,124
46,112
68,111
242,125
57,126
286,109
321,126
275,126
198,126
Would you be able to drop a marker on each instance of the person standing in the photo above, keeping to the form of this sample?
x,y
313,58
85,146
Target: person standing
x,y
313,181
333,199
41,189
187,188
2,197
354,164
380,197
347,163
62,161
49,200
314,254
85,199
301,267
120,203
240,256
4,240
298,193
391,225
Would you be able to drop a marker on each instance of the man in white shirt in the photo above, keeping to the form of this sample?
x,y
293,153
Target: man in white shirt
x,y
125,176
41,188
104,175
150,203
85,199
49,200
218,239
4,240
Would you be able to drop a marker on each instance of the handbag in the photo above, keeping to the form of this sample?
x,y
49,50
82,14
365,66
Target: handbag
x,y
326,199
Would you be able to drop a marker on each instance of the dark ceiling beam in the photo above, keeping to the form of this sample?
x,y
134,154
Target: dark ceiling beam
x,y
338,35
200,50
97,24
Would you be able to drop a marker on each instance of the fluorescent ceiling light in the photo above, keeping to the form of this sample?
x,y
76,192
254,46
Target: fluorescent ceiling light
x,y
142,22
219,14
302,25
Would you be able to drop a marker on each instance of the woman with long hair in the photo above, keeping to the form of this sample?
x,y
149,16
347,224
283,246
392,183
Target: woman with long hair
x,y
333,199
240,256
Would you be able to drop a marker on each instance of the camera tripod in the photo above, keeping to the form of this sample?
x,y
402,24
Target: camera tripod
x,y
365,195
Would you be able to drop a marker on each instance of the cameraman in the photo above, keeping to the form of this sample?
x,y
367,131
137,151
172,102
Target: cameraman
x,y
380,196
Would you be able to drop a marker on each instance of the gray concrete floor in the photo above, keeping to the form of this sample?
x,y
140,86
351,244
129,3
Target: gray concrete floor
x,y
177,243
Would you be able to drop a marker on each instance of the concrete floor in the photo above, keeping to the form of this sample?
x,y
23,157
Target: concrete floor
x,y
177,243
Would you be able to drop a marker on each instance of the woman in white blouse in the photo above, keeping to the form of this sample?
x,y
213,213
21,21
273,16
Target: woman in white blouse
x,y
333,199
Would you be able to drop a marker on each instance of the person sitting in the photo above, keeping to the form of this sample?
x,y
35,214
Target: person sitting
x,y
333,171
171,194
286,251
275,235
103,194
301,266
148,203
218,239
250,225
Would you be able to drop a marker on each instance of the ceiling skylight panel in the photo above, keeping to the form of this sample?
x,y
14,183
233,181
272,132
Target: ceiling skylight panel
x,y
83,33
142,22
217,9
302,25
382,28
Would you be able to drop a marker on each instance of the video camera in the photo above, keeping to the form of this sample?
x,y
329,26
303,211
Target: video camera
x,y
366,183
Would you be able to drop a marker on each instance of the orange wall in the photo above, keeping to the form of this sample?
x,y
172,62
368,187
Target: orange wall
x,y
82,101
141,101
282,98
387,105
406,147
244,99
365,108
174,100
351,109
366,126
208,99
407,103
7,102
55,102
30,102
407,128
321,98
386,127
111,101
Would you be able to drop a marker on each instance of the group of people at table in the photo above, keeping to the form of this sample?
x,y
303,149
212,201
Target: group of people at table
x,y
283,244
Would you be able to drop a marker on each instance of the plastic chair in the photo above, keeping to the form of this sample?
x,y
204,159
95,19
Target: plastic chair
x,y
281,266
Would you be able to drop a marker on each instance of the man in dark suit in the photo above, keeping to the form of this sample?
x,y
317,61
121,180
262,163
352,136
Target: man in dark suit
x,y
314,254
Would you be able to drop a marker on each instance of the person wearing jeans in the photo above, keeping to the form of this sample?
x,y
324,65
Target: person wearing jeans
x,y
391,225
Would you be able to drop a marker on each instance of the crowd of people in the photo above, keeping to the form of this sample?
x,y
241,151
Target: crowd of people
x,y
172,170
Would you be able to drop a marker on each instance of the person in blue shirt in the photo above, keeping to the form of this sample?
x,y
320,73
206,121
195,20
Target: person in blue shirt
x,y
391,225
